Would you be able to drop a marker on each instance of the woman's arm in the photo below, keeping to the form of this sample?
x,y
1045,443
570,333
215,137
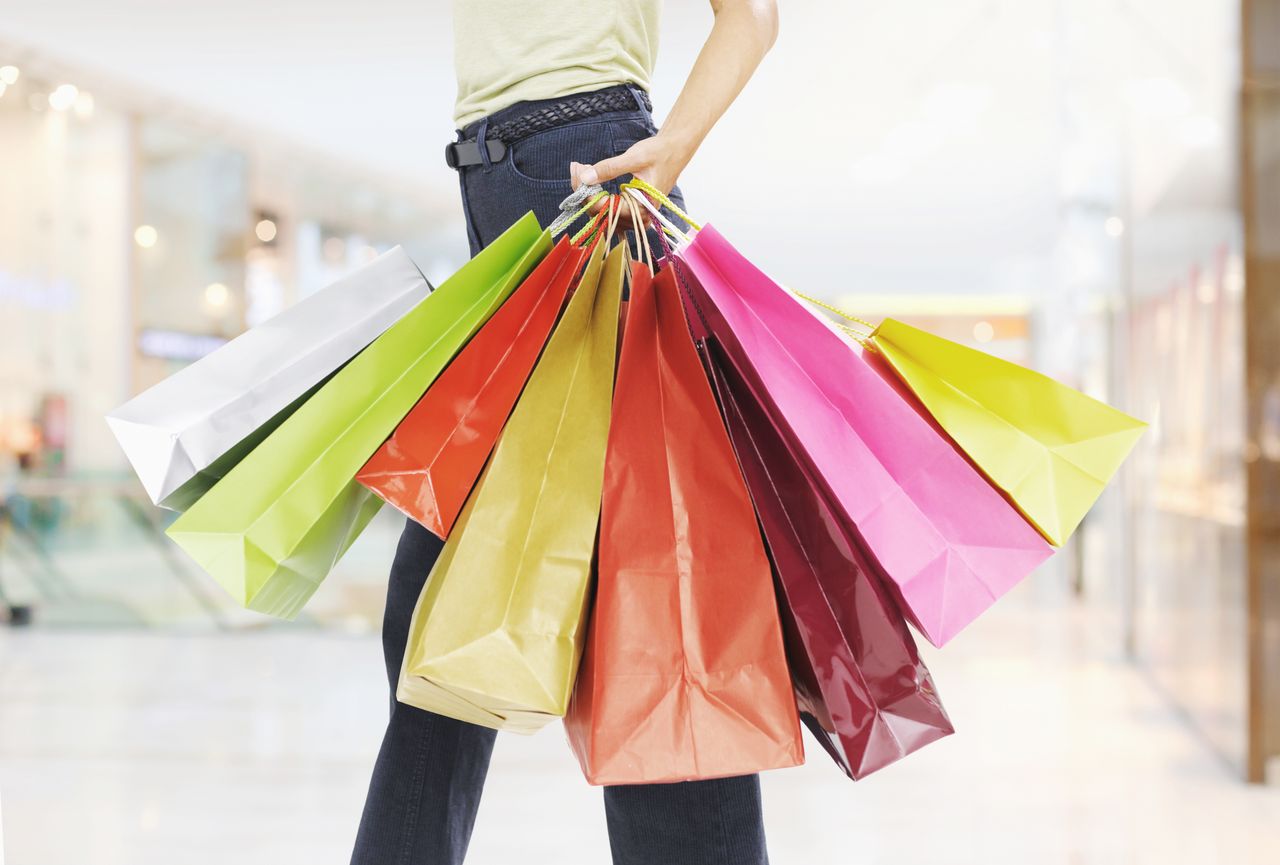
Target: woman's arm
x,y
744,31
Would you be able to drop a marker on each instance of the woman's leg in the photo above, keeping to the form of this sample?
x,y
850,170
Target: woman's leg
x,y
430,771
695,823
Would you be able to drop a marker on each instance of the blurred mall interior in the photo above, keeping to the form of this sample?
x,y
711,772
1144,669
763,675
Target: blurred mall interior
x,y
1090,187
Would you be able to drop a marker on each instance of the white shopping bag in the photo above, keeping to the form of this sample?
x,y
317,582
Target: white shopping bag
x,y
188,431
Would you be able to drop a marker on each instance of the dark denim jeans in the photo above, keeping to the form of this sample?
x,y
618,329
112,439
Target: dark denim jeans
x,y
430,772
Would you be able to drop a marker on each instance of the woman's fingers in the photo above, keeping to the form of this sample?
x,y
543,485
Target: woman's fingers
x,y
614,167
605,170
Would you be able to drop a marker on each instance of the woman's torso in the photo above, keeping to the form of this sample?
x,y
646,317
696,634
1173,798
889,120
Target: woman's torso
x,y
508,51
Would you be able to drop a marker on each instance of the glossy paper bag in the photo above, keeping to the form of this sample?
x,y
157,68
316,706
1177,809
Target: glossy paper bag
x,y
867,696
497,632
1050,448
189,430
273,527
684,675
430,463
948,542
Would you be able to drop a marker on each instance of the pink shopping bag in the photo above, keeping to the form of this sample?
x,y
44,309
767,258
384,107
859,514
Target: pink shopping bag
x,y
948,542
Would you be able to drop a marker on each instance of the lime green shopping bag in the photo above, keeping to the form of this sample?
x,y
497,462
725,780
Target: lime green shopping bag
x,y
274,526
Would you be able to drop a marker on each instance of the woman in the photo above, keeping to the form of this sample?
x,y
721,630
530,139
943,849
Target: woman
x,y
551,95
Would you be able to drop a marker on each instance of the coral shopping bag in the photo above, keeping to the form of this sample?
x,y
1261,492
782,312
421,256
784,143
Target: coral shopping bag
x,y
186,432
948,542
273,527
684,675
432,460
1050,448
867,696
497,632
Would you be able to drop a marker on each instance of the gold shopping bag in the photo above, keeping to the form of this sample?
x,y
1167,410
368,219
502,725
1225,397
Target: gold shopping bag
x,y
498,630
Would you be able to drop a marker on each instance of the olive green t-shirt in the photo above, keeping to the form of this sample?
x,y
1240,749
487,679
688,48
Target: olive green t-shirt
x,y
508,51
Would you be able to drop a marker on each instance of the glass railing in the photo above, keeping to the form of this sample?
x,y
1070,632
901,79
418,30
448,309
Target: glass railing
x,y
92,552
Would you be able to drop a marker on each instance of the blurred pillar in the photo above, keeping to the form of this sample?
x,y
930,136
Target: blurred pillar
x,y
1260,197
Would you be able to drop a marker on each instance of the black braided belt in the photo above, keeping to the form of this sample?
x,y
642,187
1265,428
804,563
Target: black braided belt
x,y
541,117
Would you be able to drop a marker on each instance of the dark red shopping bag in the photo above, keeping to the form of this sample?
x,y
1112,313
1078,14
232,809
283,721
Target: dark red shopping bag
x,y
864,692
433,459
684,675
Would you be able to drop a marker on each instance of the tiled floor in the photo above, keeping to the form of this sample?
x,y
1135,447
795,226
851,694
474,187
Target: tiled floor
x,y
151,749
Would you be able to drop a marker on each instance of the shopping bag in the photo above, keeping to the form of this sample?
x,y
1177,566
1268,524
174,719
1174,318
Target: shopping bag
x,y
1050,448
274,526
949,543
189,430
430,463
497,632
684,675
866,695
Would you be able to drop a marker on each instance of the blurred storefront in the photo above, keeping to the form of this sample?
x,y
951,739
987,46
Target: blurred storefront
x,y
134,240
1162,305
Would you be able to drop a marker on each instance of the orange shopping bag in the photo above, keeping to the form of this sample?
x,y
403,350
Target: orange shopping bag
x,y
684,674
432,460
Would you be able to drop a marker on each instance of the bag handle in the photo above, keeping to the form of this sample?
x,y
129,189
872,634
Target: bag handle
x,y
642,235
577,203
863,331
643,186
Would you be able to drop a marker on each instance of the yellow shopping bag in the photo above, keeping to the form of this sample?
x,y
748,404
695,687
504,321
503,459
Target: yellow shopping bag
x,y
1050,448
498,630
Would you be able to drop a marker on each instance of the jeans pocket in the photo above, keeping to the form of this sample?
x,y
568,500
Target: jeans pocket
x,y
542,159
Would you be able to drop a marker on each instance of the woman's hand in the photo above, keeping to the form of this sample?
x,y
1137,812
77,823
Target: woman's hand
x,y
743,32
657,160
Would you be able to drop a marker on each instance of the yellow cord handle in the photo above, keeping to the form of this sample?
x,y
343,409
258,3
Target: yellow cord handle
x,y
657,195
835,309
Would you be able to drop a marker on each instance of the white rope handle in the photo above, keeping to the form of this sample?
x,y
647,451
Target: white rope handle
x,y
666,224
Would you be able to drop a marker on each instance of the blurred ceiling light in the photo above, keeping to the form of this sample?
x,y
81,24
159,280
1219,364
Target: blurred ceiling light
x,y
265,230
984,332
84,105
1114,226
9,74
3,88
145,236
23,437
216,295
63,98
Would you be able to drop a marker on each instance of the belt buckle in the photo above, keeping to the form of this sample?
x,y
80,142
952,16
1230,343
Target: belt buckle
x,y
460,154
